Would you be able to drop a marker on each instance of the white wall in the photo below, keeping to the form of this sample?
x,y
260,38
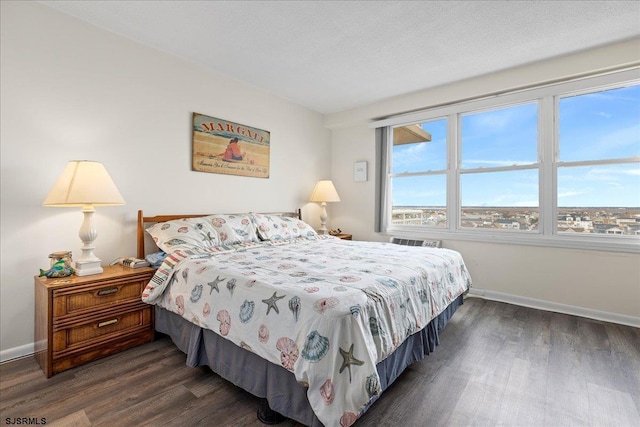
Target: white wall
x,y
592,283
73,91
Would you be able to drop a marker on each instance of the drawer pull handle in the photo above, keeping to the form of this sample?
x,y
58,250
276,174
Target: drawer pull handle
x,y
107,323
104,292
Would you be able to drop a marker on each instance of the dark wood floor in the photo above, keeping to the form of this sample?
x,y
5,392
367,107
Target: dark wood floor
x,y
497,364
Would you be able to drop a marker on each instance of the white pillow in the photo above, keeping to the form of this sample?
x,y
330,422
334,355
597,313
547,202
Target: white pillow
x,y
274,227
233,229
187,233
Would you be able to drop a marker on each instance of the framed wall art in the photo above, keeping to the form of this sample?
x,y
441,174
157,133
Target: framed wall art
x,y
360,171
221,146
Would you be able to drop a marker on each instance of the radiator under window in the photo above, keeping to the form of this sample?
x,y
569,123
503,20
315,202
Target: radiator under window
x,y
415,242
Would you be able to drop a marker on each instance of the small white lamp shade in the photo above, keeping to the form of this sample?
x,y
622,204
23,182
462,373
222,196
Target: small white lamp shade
x,y
81,183
324,192
87,184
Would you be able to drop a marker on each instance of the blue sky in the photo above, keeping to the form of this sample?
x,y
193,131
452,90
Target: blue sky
x,y
591,127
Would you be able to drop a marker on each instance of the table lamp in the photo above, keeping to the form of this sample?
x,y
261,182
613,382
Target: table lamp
x,y
87,184
324,192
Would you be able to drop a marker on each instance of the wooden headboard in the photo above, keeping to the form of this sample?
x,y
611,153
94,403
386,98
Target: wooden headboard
x,y
142,220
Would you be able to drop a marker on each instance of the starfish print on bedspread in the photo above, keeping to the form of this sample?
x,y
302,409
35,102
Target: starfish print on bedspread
x,y
214,284
348,359
271,303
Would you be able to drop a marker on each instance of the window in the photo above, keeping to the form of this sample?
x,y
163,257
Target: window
x,y
598,174
418,178
555,166
499,168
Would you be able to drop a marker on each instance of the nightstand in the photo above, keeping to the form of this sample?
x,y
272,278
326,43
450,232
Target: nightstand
x,y
344,236
80,319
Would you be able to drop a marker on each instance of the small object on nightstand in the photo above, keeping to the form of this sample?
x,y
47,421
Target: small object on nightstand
x,y
131,262
339,234
60,256
60,265
135,263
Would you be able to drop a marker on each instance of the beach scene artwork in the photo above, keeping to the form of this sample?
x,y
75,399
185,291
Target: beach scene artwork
x,y
221,146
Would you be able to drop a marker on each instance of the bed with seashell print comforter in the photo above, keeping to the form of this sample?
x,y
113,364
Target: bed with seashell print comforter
x,y
327,310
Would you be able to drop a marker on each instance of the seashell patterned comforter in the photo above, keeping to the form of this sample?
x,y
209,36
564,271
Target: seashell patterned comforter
x,y
327,310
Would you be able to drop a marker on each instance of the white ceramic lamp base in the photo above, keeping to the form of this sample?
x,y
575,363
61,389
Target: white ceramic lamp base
x,y
88,263
88,268
323,219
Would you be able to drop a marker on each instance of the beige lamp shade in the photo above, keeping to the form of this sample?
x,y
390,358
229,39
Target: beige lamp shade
x,y
83,183
324,191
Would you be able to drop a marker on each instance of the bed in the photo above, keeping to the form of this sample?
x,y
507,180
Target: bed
x,y
316,325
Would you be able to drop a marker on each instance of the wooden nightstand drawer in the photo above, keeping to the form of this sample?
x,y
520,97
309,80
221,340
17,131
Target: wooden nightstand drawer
x,y
92,298
98,330
82,318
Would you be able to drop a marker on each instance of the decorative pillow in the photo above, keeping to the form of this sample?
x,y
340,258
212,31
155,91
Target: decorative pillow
x,y
187,233
274,227
233,229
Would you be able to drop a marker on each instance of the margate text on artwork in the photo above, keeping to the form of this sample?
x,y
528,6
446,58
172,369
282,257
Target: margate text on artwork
x,y
208,127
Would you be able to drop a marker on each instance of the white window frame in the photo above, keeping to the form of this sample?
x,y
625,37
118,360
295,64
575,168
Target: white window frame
x,y
437,172
548,163
537,165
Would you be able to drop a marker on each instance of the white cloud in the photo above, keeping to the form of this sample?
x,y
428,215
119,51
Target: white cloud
x,y
611,174
621,142
497,120
570,194
419,156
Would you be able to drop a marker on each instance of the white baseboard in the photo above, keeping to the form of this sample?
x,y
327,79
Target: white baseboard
x,y
621,319
16,352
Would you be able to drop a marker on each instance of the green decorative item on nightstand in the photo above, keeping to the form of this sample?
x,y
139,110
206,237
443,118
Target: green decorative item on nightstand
x,y
59,269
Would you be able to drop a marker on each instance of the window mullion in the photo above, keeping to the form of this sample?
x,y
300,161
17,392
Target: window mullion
x,y
547,150
453,172
388,193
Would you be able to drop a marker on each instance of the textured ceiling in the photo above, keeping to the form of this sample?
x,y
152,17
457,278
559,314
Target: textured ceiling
x,y
336,55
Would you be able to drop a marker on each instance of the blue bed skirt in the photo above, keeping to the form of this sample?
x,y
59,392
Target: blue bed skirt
x,y
273,382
